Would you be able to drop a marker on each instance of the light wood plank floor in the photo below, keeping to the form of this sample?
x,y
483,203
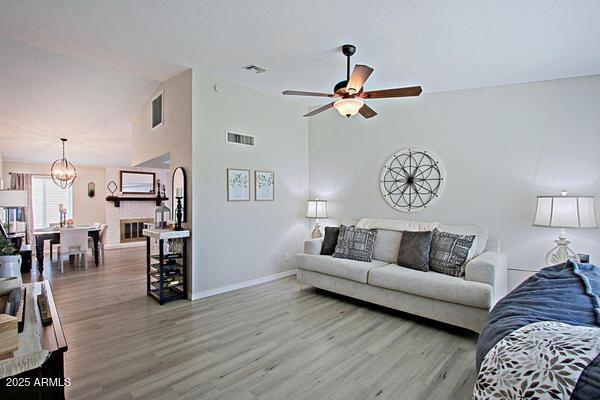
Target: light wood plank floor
x,y
264,342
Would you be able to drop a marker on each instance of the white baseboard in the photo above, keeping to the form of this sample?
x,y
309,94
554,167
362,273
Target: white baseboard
x,y
124,245
241,285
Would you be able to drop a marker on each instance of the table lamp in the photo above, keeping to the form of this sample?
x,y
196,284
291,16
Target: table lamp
x,y
564,212
316,209
13,199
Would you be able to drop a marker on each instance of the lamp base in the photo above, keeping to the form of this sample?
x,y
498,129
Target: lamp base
x,y
561,252
316,233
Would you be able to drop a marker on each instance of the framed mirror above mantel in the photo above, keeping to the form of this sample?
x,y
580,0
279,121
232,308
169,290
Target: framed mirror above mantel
x,y
140,183
137,182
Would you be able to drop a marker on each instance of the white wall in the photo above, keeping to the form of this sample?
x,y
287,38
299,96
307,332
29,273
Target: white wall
x,y
501,147
86,210
1,171
240,241
174,136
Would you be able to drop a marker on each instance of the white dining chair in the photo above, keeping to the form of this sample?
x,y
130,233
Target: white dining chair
x,y
73,242
101,240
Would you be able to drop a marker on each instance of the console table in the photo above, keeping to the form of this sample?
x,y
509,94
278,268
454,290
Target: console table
x,y
52,339
167,271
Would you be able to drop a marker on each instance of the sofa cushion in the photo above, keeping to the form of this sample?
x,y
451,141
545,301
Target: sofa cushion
x,y
355,244
330,240
432,285
449,252
481,234
357,271
414,250
387,244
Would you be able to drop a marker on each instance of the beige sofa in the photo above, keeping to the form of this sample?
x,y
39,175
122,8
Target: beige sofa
x,y
463,301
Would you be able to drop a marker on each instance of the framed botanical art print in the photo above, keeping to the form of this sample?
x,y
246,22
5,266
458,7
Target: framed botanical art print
x,y
238,184
264,185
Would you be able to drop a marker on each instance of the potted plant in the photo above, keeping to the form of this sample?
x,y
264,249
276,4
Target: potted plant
x,y
10,260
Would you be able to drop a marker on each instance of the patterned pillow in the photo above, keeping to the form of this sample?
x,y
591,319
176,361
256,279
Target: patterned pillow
x,y
355,244
449,252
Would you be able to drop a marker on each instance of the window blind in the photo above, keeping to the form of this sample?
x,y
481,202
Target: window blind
x,y
46,197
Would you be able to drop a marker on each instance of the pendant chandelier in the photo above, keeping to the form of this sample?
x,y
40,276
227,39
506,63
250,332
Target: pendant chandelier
x,y
63,172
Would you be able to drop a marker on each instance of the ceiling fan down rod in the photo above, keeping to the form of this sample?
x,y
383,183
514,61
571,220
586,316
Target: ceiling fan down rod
x,y
348,68
348,50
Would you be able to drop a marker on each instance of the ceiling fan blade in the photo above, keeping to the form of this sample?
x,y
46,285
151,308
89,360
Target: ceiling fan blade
x,y
367,111
300,93
398,92
359,75
319,110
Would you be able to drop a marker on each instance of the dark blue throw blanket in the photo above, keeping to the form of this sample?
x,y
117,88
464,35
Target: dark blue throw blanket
x,y
565,293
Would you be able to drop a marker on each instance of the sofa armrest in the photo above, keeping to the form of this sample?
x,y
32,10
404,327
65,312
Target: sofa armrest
x,y
490,267
486,267
313,246
493,245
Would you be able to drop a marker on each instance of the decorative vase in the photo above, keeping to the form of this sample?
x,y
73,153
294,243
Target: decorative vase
x,y
10,266
8,284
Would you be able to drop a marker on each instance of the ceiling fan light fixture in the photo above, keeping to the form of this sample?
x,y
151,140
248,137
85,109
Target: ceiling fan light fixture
x,y
349,107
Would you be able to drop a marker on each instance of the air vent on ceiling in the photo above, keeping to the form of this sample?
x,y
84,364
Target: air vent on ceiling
x,y
254,68
238,138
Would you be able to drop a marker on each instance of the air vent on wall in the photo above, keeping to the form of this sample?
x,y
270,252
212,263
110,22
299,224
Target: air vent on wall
x,y
254,68
238,138
157,110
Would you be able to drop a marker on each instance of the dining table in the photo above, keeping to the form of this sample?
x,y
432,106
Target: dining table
x,y
41,235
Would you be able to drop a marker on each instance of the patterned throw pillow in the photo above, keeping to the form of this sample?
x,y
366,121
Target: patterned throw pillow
x,y
449,252
355,244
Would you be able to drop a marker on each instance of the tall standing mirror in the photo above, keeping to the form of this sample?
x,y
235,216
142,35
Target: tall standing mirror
x,y
178,189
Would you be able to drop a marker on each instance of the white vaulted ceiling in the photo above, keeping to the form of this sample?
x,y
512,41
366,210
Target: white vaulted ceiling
x,y
45,96
80,68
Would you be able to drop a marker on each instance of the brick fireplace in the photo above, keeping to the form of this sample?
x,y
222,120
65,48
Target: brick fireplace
x,y
141,211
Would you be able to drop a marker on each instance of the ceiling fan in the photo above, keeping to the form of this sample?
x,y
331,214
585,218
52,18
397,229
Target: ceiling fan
x,y
349,94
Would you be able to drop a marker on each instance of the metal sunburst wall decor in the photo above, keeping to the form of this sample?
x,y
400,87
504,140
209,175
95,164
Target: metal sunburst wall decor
x,y
411,179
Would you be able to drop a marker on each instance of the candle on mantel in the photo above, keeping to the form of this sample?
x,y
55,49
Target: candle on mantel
x,y
178,192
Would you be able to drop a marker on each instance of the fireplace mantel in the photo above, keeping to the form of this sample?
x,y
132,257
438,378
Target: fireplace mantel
x,y
118,199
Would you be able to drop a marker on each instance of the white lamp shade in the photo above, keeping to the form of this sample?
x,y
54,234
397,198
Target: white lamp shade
x,y
316,209
565,212
13,198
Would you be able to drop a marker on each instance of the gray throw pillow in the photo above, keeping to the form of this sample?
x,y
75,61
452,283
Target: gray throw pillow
x,y
355,244
414,250
449,252
387,245
330,240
